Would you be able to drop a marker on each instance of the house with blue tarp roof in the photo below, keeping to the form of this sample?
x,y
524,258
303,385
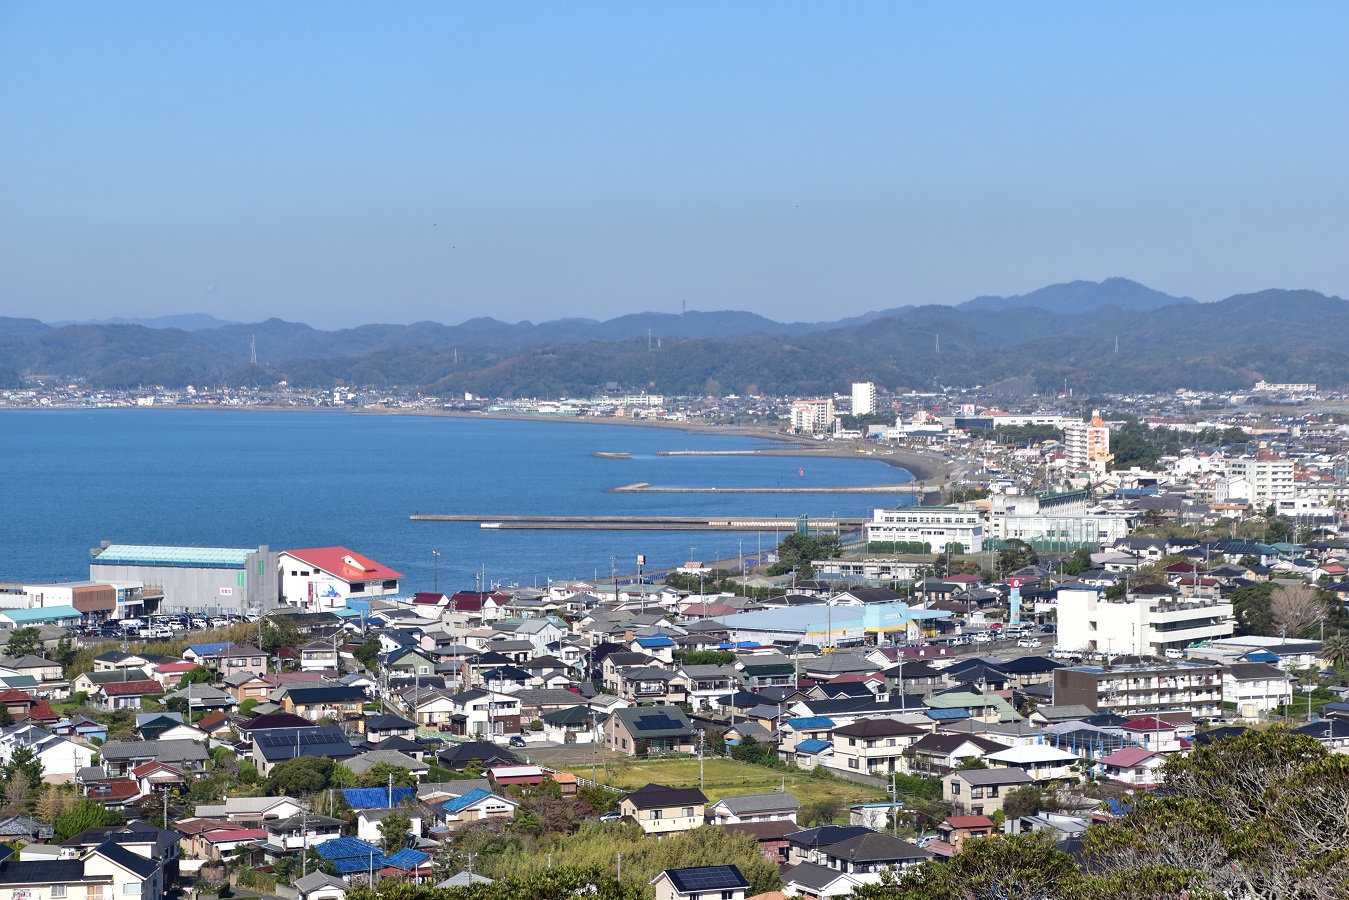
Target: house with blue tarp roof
x,y
478,805
378,797
195,652
349,854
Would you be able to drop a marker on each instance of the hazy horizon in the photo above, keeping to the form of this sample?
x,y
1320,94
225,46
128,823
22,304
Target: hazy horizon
x,y
346,164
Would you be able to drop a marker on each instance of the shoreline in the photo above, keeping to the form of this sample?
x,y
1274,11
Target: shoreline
x,y
922,465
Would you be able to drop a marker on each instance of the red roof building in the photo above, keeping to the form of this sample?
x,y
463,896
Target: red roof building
x,y
324,578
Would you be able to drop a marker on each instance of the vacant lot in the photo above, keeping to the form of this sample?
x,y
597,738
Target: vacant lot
x,y
721,778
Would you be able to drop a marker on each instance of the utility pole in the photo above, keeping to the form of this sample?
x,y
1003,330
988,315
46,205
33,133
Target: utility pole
x,y
700,750
435,561
613,574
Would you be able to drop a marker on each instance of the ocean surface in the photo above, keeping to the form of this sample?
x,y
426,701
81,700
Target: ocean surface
x,y
308,479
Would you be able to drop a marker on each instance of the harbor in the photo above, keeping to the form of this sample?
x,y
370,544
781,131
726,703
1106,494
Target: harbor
x,y
643,487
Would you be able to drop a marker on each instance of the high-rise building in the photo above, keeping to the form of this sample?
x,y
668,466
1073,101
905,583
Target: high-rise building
x,y
863,398
813,416
1270,477
1087,444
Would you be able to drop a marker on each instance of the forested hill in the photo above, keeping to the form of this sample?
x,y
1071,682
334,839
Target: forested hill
x,y
1276,335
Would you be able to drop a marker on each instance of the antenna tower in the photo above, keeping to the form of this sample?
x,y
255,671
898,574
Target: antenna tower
x,y
253,350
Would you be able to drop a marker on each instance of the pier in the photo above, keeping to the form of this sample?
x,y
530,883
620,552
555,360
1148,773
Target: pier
x,y
643,487
645,523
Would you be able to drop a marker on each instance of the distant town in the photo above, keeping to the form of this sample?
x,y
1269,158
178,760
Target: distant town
x,y
1086,605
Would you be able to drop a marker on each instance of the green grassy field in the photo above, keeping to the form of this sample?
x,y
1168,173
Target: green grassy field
x,y
728,777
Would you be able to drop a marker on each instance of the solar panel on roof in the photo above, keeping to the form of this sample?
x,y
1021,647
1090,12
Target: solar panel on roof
x,y
708,878
656,722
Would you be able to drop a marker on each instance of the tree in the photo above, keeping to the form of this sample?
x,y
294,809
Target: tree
x,y
378,776
23,642
196,675
394,831
302,775
6,717
1026,867
278,632
1336,650
24,762
1016,555
83,815
1251,607
1295,608
1022,801
52,802
368,653
1078,563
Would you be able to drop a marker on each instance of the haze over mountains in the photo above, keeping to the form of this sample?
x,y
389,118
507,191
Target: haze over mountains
x,y
1063,331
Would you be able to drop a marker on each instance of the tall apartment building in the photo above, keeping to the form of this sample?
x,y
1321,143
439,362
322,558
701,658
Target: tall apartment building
x,y
1087,444
1138,625
813,416
1129,690
1270,477
863,398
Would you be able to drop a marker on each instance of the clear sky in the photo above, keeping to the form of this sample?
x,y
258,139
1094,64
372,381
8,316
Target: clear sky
x,y
341,163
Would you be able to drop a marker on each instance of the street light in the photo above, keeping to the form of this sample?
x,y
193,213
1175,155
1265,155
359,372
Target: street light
x,y
435,561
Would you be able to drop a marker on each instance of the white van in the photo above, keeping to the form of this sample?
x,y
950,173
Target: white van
x,y
132,624
1174,653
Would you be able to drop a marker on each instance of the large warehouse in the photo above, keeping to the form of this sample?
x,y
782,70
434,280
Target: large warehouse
x,y
208,580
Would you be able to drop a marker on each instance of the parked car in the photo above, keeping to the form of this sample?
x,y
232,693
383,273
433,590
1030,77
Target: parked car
x,y
1028,642
611,817
199,623
159,632
516,741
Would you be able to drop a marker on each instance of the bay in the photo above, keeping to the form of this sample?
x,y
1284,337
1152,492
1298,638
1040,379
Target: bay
x,y
309,479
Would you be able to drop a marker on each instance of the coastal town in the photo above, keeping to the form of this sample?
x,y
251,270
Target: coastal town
x,y
1077,608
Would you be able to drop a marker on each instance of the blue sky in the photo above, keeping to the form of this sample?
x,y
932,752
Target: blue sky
x,y
346,163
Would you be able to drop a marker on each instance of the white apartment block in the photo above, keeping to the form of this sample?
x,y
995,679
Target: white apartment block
x,y
863,398
935,525
1087,444
1270,477
813,416
1147,626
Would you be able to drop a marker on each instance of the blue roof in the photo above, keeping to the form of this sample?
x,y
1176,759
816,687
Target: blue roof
x,y
347,847
812,746
955,712
656,640
804,722
465,801
1263,656
377,797
42,614
176,557
208,649
407,858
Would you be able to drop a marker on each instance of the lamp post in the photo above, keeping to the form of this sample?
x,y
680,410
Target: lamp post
x,y
435,561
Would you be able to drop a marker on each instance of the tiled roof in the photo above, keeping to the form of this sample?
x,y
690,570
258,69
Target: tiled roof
x,y
345,564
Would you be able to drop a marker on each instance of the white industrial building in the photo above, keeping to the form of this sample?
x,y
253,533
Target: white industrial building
x,y
937,526
1138,625
813,416
209,580
324,578
1270,478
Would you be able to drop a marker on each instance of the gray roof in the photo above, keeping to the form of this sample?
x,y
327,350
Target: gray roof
x,y
462,879
315,880
809,875
371,758
655,721
753,803
173,751
117,675
998,776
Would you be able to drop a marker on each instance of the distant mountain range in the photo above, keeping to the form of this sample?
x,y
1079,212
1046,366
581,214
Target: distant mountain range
x,y
1032,341
184,322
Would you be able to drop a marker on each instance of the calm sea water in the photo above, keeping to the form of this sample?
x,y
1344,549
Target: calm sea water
x,y
240,479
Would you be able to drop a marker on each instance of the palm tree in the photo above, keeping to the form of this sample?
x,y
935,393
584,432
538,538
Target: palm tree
x,y
1336,651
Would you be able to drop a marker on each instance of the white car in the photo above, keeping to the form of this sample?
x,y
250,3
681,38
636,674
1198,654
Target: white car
x,y
983,637
1028,642
159,632
220,622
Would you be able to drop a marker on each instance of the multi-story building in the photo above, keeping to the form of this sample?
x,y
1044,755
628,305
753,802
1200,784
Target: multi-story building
x,y
874,746
1138,625
813,416
661,810
1060,521
863,398
1190,686
1270,477
1087,444
936,526
1256,688
206,580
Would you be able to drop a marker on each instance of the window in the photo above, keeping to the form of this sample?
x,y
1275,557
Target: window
x,y
656,813
955,789
976,793
991,792
852,763
94,892
688,812
257,661
58,890
852,742
131,889
728,895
